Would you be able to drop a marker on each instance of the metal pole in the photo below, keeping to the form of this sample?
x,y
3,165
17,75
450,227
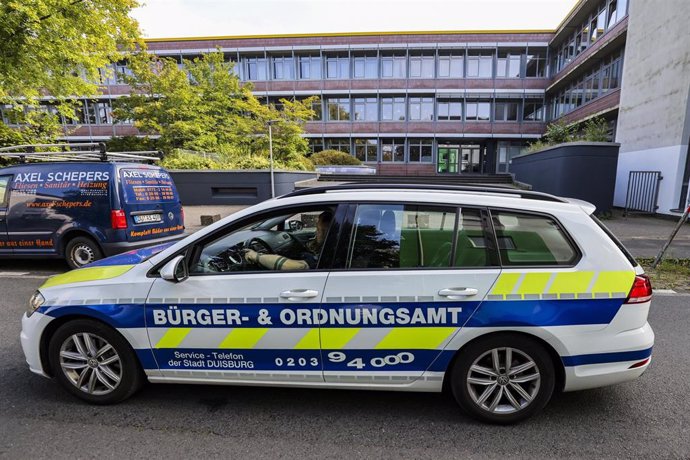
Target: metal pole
x,y
673,235
270,151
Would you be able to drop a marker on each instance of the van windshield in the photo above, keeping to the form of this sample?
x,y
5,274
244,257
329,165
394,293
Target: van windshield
x,y
143,186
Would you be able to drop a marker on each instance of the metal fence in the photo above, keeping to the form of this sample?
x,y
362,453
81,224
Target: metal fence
x,y
643,192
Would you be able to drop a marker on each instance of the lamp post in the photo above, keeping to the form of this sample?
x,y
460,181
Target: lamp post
x,y
270,153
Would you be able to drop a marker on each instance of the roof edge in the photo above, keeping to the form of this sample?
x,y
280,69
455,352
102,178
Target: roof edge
x,y
350,34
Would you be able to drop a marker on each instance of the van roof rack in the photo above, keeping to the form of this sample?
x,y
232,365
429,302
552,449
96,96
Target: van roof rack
x,y
526,194
85,151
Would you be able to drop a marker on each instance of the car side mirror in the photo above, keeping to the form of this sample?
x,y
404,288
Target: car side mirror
x,y
175,270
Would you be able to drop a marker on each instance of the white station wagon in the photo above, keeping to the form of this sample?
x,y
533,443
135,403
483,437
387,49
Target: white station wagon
x,y
497,295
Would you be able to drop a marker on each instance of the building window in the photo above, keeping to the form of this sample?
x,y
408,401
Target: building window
x,y
255,69
394,66
421,66
365,109
365,67
316,106
338,109
393,109
421,150
449,109
366,150
451,65
506,152
535,65
422,108
478,111
309,67
533,111
315,145
480,64
508,64
338,67
342,145
283,68
393,150
505,111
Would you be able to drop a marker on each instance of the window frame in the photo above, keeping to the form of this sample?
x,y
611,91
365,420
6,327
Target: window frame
x,y
571,241
4,198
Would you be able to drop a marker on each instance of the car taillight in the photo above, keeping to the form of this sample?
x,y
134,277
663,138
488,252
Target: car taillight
x,y
641,290
181,215
118,219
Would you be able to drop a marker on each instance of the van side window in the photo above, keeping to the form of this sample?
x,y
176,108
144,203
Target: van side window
x,y
526,239
402,236
4,182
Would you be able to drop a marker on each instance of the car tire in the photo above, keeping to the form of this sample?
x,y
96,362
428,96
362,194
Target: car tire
x,y
81,251
488,391
94,362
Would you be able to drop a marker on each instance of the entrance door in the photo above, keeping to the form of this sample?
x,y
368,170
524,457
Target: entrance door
x,y
471,158
4,200
448,159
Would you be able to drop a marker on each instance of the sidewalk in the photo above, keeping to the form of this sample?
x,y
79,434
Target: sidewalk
x,y
644,236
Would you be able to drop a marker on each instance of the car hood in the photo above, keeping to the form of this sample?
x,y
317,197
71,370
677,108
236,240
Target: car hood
x,y
131,257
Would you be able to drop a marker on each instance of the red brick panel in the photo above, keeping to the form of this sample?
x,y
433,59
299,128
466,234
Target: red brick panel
x,y
507,128
336,84
364,127
533,128
281,86
393,84
450,127
422,84
337,128
392,127
450,83
478,127
509,83
536,83
421,127
365,84
308,85
479,83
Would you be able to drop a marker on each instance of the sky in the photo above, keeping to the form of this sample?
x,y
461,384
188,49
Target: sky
x,y
195,18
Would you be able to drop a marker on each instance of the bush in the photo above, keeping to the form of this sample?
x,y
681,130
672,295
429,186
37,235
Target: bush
x,y
333,157
187,160
558,133
596,130
130,144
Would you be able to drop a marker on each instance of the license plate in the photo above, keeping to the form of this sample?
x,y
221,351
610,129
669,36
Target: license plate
x,y
147,218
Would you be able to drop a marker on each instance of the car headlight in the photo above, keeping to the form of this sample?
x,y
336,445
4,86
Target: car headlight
x,y
35,303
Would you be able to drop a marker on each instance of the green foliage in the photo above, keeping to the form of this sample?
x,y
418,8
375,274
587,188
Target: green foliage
x,y
558,133
184,160
596,130
57,47
230,160
130,144
202,106
333,157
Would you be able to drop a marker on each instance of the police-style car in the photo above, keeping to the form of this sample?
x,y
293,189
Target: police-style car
x,y
499,296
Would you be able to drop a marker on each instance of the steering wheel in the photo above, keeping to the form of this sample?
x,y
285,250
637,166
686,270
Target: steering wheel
x,y
258,245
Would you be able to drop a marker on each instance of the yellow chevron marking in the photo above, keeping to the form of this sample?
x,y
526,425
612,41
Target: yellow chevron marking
x,y
243,338
415,337
614,282
571,282
505,283
336,338
173,337
534,283
310,341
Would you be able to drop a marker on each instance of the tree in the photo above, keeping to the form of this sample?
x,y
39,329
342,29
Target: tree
x,y
58,47
201,105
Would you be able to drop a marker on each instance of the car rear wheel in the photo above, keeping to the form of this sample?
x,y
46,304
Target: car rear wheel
x,y
81,251
93,362
503,379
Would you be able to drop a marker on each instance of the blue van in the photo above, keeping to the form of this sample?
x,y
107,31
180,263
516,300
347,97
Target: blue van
x,y
84,210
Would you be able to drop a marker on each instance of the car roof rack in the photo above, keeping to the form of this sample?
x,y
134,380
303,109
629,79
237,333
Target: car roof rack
x,y
84,151
526,194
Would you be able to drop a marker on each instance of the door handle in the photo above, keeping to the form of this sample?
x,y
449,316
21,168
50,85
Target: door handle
x,y
454,293
299,294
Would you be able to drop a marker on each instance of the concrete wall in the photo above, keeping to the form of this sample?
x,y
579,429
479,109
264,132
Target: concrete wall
x,y
654,117
233,187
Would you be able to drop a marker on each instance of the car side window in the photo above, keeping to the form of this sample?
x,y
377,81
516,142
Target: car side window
x,y
4,183
290,241
527,239
402,236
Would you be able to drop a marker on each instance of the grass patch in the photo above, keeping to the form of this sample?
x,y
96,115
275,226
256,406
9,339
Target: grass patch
x,y
669,274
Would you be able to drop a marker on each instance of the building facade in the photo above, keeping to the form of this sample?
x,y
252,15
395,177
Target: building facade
x,y
434,102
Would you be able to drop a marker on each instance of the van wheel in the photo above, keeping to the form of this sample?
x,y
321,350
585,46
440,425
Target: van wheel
x,y
81,251
503,379
94,362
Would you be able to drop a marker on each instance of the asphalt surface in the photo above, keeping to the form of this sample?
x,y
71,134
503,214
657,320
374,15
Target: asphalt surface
x,y
647,418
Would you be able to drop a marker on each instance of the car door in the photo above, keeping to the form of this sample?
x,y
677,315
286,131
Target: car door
x,y
403,284
232,321
4,200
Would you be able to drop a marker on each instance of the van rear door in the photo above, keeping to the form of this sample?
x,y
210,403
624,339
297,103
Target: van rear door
x,y
150,203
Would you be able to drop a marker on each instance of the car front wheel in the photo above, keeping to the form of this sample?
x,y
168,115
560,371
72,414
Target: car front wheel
x,y
503,379
94,362
81,251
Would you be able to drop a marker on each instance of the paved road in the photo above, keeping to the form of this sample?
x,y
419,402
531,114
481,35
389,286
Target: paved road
x,y
648,418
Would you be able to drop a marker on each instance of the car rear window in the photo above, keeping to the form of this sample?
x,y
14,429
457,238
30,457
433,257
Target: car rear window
x,y
528,239
142,186
3,188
